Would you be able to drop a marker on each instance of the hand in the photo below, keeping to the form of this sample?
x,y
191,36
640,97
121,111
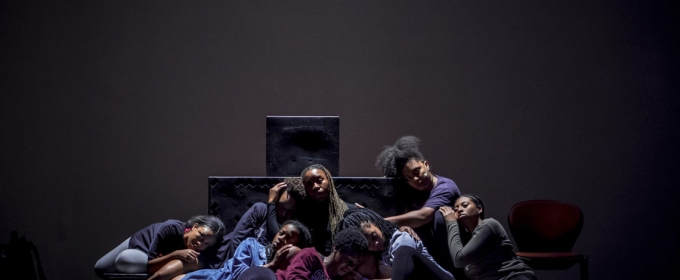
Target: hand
x,y
410,231
275,192
279,256
187,255
449,214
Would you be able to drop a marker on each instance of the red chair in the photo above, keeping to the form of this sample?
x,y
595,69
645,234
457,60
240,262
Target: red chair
x,y
545,232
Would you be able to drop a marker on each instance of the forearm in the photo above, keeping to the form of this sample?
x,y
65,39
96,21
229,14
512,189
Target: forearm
x,y
414,219
272,225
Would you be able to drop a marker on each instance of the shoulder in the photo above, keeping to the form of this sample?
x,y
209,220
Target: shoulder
x,y
400,238
445,184
172,225
259,206
492,225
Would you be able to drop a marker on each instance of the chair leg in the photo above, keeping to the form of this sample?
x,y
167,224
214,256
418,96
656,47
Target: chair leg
x,y
583,265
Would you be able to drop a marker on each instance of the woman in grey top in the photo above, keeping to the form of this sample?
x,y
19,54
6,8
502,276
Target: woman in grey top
x,y
480,245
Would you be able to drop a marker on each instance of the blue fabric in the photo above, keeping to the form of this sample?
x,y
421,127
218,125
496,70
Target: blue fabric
x,y
248,253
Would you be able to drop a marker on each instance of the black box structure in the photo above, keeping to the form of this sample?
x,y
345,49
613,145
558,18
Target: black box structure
x,y
294,143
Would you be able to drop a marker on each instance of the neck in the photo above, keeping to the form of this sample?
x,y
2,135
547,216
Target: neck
x,y
434,180
327,261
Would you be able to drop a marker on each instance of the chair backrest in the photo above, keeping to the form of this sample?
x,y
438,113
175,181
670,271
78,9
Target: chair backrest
x,y
545,225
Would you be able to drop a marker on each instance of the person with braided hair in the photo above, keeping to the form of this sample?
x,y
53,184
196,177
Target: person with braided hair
x,y
322,209
426,194
393,253
292,237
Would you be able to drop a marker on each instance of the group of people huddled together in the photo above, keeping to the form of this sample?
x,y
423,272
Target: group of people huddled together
x,y
305,231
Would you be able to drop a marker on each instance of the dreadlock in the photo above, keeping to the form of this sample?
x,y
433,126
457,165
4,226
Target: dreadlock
x,y
304,238
336,206
359,217
393,158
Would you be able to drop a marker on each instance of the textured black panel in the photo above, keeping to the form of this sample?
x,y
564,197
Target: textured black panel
x,y
229,197
294,143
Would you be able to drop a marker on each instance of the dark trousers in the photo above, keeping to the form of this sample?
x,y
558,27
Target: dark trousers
x,y
411,264
257,273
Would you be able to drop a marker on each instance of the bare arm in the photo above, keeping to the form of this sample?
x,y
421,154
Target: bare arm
x,y
414,219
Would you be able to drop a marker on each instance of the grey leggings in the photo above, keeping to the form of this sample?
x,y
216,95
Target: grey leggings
x,y
123,260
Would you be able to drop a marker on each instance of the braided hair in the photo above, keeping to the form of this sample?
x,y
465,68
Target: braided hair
x,y
304,238
336,206
359,217
393,158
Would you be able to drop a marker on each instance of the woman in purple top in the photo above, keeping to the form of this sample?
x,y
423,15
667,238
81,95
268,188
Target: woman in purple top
x,y
151,248
427,193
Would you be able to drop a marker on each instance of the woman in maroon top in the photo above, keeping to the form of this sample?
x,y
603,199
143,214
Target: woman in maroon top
x,y
349,246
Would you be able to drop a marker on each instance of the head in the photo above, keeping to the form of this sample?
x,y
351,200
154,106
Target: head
x,y
316,180
469,207
377,230
319,187
405,160
289,199
349,246
292,232
202,232
417,173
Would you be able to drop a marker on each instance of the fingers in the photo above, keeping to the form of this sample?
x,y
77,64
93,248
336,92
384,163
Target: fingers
x,y
359,205
285,247
279,186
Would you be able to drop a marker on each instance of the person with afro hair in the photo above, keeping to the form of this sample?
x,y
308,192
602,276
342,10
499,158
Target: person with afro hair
x,y
349,246
426,193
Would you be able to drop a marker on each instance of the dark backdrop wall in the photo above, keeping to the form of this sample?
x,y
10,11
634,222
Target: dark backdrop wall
x,y
114,113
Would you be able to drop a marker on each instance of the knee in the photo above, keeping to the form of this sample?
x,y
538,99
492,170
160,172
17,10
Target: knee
x,y
131,261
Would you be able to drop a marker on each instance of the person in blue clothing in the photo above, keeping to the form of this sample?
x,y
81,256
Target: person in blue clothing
x,y
261,221
292,237
156,245
425,194
394,253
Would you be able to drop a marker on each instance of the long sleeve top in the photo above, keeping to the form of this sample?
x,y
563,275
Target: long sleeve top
x,y
488,254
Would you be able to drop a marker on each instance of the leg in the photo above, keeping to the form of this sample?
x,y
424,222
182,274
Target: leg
x,y
174,268
257,273
411,264
107,263
132,261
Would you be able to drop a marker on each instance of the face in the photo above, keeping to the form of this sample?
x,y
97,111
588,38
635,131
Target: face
x,y
376,241
341,264
200,238
288,234
316,184
466,209
285,207
417,173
